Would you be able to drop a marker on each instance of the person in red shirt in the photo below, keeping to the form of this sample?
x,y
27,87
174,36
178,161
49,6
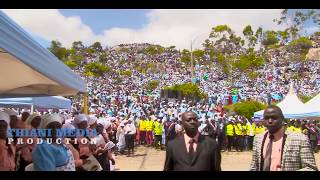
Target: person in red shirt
x,y
7,151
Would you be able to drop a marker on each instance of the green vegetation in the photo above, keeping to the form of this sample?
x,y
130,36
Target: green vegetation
x,y
126,73
188,90
246,108
305,98
152,85
96,69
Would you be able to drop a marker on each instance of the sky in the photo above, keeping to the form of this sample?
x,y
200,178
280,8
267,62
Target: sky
x,y
157,26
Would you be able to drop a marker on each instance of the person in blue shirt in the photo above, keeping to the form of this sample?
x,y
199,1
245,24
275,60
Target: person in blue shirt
x,y
52,156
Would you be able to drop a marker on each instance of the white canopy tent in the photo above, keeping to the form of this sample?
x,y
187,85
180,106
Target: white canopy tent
x,y
292,107
37,102
28,69
314,106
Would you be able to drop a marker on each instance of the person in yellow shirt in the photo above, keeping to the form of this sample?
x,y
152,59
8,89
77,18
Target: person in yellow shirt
x,y
142,129
260,128
250,133
239,135
149,129
297,127
230,134
290,126
158,127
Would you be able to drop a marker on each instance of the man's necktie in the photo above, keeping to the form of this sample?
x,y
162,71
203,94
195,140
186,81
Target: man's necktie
x,y
191,149
267,159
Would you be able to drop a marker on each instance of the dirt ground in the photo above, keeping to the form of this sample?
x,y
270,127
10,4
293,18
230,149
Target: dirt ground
x,y
149,159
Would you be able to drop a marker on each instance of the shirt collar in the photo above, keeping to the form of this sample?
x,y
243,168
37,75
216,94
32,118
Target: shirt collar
x,y
194,138
279,134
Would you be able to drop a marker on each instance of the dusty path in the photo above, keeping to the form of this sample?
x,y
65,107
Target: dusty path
x,y
149,159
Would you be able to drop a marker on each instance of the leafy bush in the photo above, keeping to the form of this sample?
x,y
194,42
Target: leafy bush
x,y
152,85
188,90
70,64
126,73
305,98
96,69
247,108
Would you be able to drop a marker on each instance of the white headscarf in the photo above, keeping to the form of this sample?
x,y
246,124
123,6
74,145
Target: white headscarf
x,y
5,117
49,118
92,119
31,117
106,123
10,112
80,118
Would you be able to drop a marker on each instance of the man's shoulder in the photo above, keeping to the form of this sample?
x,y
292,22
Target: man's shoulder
x,y
174,141
296,136
260,136
208,140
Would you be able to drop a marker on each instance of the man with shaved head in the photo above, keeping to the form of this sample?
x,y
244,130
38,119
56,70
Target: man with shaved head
x,y
280,150
192,151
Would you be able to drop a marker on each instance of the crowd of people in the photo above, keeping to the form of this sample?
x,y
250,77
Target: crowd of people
x,y
121,129
125,114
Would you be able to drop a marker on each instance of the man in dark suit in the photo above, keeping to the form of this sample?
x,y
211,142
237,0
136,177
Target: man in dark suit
x,y
192,151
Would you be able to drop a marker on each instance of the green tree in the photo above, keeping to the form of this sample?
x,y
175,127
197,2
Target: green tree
x,y
96,69
185,56
189,90
78,46
247,108
70,64
249,61
283,36
248,34
223,41
97,47
305,98
103,57
299,48
59,51
126,73
297,19
152,85
198,55
270,38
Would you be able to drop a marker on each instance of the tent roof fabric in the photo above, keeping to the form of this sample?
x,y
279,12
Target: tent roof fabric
x,y
292,107
28,69
42,102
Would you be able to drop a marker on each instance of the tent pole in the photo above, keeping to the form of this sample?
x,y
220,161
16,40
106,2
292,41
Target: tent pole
x,y
85,103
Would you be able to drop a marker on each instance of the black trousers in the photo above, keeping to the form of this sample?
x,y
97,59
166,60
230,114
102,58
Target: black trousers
x,y
142,137
104,161
251,142
230,142
220,141
157,139
239,143
129,138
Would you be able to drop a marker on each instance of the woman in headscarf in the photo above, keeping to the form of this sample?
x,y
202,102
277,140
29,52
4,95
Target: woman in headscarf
x,y
101,152
78,162
81,122
33,121
120,136
52,156
7,151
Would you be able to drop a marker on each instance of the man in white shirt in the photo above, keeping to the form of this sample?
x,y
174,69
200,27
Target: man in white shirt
x,y
130,131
